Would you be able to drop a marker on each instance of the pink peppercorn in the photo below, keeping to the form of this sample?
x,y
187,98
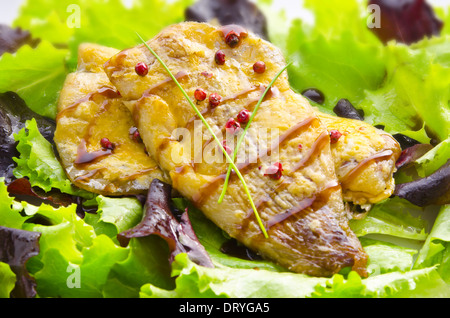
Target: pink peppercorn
x,y
274,171
141,69
232,126
214,100
105,143
334,136
200,94
243,116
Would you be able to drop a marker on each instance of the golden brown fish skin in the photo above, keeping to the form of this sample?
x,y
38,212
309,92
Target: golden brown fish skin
x,y
315,240
364,159
90,108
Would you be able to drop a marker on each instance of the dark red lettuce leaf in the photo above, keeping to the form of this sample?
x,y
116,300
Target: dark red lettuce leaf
x,y
12,39
411,154
13,115
434,189
16,248
406,21
22,190
159,220
242,12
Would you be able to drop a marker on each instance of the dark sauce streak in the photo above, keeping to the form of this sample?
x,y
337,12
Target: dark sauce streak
x,y
315,202
106,91
208,188
318,145
241,93
179,75
307,205
383,155
83,156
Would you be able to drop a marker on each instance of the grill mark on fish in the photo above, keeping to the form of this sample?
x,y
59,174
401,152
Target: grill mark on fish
x,y
319,198
318,145
310,204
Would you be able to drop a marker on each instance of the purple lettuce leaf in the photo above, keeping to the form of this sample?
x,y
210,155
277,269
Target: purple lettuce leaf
x,y
159,220
16,248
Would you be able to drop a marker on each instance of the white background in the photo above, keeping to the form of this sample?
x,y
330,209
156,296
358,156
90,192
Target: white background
x,y
9,8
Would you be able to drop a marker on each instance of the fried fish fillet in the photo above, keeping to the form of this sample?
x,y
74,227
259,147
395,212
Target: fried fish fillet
x,y
303,210
90,109
364,156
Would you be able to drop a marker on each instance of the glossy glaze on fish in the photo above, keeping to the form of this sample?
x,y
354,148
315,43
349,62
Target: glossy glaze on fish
x,y
90,108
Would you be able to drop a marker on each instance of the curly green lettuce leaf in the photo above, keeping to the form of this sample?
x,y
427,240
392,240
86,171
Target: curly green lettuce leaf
x,y
385,257
326,64
403,88
148,257
436,249
38,162
352,15
9,216
60,277
36,75
414,95
7,280
62,230
433,159
423,283
425,165
76,261
114,215
394,217
110,23
197,281
341,59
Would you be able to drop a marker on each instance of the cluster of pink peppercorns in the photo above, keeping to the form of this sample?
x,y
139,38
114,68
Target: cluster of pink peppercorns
x,y
232,39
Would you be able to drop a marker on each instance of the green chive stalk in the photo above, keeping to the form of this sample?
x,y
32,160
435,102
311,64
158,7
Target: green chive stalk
x,y
241,138
258,218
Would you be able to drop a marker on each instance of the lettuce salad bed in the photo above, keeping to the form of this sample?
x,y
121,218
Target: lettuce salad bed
x,y
397,86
